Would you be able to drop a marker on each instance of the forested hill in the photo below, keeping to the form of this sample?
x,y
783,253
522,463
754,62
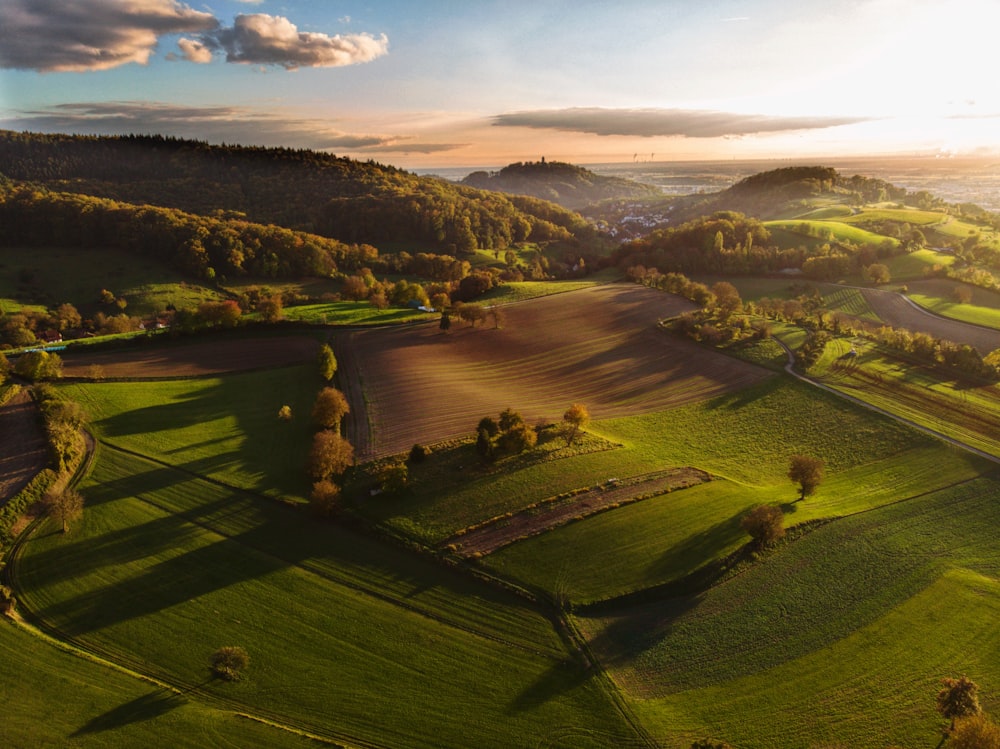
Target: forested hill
x,y
335,197
570,186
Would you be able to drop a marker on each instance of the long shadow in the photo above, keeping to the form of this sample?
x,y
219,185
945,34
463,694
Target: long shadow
x,y
562,677
146,707
704,547
197,407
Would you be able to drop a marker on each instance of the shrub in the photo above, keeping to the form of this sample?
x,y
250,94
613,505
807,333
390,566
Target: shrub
x,y
764,523
418,453
229,662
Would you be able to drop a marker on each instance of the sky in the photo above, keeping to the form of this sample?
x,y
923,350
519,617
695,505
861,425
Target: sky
x,y
482,83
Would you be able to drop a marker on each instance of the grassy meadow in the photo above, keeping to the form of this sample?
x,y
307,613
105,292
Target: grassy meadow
x,y
196,535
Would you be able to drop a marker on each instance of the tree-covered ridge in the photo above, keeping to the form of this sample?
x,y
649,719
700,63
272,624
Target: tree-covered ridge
x,y
298,189
569,185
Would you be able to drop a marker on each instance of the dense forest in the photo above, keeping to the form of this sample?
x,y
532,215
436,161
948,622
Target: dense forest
x,y
569,185
301,190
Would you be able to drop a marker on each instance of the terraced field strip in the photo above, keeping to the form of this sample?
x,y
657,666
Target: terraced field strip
x,y
23,450
896,310
500,532
598,346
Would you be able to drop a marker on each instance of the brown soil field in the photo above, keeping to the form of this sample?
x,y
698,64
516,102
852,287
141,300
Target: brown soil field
x,y
486,539
23,449
598,346
898,312
183,359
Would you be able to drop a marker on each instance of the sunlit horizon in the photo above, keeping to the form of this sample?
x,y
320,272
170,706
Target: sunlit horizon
x,y
425,86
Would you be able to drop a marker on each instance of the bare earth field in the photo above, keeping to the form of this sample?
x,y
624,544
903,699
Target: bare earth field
x,y
895,310
485,539
192,359
598,346
23,450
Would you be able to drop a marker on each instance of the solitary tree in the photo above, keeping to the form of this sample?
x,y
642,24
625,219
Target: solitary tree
x,y
764,523
394,477
575,419
324,501
807,472
229,662
327,362
64,506
330,455
330,407
958,699
285,413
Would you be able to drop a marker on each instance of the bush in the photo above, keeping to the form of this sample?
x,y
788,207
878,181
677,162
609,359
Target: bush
x,y
418,453
229,662
764,523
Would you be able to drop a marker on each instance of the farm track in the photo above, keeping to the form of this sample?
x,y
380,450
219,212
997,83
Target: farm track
x,y
23,448
599,346
496,534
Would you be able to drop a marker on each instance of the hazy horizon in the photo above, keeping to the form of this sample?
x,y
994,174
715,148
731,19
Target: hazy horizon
x,y
429,85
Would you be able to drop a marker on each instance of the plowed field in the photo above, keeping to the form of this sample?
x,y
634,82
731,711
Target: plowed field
x,y
185,359
597,346
899,312
23,450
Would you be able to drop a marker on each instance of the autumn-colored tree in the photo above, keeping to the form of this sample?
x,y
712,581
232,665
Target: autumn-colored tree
x,y
330,455
354,288
65,506
285,413
974,732
324,501
509,418
764,523
727,298
394,477
271,309
959,698
576,418
327,362
518,438
38,365
229,662
807,472
330,407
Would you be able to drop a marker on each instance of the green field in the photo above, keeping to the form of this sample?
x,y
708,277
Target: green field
x,y
827,231
166,568
914,265
49,277
938,296
843,635
352,313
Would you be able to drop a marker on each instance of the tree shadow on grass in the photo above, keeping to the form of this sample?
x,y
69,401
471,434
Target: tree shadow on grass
x,y
703,548
146,707
562,677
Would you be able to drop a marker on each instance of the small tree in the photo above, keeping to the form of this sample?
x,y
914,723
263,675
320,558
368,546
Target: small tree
x,y
64,506
509,418
229,662
285,413
575,419
807,472
38,365
974,732
327,362
518,438
330,455
330,407
324,501
764,523
418,453
958,699
271,309
445,324
877,273
393,478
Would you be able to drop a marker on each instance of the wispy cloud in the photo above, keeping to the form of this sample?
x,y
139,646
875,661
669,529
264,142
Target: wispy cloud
x,y
649,123
218,124
60,36
53,35
262,39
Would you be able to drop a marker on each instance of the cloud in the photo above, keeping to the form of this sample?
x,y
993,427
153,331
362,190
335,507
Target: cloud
x,y
219,124
55,35
262,39
194,51
650,123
